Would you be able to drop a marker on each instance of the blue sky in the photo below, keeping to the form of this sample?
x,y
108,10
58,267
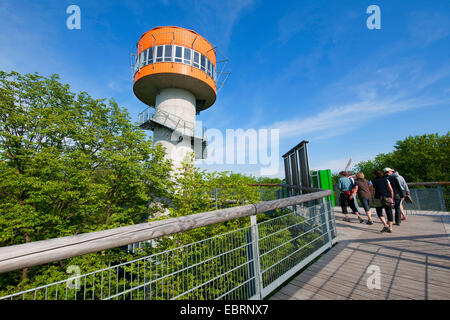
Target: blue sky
x,y
312,69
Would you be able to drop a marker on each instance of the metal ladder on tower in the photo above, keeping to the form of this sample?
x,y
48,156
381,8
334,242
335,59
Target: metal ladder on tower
x,y
185,129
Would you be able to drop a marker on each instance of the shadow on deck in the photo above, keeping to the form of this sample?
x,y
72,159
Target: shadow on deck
x,y
413,262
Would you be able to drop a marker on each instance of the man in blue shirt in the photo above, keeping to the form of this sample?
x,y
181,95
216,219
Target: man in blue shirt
x,y
405,191
398,193
346,196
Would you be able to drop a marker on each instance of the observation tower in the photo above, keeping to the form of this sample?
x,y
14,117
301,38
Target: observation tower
x,y
175,73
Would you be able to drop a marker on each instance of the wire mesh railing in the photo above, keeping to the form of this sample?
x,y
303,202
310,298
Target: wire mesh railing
x,y
426,197
286,242
246,263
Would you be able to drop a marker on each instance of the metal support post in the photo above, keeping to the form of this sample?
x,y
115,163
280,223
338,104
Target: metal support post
x,y
327,221
215,197
417,199
441,198
256,262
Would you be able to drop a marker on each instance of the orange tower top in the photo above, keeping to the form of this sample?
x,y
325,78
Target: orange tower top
x,y
174,57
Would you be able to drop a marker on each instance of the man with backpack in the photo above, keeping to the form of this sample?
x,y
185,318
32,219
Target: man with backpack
x,y
398,193
405,191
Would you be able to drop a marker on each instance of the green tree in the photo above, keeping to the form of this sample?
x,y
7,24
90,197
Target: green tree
x,y
70,164
380,161
417,158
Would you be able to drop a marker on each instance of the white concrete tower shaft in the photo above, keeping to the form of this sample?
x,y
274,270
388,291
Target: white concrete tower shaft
x,y
176,109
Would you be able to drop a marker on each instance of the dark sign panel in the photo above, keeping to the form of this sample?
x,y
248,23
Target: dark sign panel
x,y
296,165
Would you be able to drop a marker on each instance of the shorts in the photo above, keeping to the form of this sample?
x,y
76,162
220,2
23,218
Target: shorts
x,y
365,203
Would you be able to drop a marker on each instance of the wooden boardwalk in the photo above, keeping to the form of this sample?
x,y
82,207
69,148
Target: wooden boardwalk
x,y
414,262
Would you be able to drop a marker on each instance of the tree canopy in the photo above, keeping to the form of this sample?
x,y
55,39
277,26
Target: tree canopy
x,y
72,164
424,158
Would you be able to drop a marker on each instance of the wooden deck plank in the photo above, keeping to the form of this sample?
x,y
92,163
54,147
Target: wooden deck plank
x,y
338,286
358,287
414,263
349,278
386,283
387,266
358,259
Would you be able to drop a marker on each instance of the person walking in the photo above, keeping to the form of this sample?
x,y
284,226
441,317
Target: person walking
x,y
382,195
405,192
353,181
398,193
363,189
346,196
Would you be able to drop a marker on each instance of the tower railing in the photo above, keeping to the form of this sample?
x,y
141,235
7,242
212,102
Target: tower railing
x,y
248,262
161,38
150,118
145,116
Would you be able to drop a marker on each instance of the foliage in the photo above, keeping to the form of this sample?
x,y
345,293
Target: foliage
x,y
423,158
71,164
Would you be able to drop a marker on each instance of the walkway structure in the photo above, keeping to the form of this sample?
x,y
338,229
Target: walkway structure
x,y
296,233
245,263
413,262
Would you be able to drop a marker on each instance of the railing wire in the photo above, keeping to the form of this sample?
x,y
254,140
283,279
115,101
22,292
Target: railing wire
x,y
222,267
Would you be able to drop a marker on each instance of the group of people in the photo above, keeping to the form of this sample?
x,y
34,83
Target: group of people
x,y
387,190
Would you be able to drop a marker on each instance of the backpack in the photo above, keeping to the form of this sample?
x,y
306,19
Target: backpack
x,y
352,183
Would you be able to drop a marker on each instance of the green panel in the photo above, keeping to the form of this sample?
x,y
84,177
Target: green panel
x,y
322,179
326,182
325,179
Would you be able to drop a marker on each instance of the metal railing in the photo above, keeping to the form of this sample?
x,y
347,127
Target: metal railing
x,y
246,263
170,121
145,116
160,38
426,196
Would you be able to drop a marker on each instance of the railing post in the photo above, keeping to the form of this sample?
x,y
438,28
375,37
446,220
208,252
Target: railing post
x,y
417,199
441,197
256,262
327,221
215,197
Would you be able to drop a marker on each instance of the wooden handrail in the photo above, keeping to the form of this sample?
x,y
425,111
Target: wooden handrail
x,y
439,183
290,186
40,252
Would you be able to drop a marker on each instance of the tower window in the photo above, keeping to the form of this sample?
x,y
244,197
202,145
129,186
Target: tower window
x,y
196,59
209,68
159,53
203,63
150,55
168,53
144,59
187,55
178,54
